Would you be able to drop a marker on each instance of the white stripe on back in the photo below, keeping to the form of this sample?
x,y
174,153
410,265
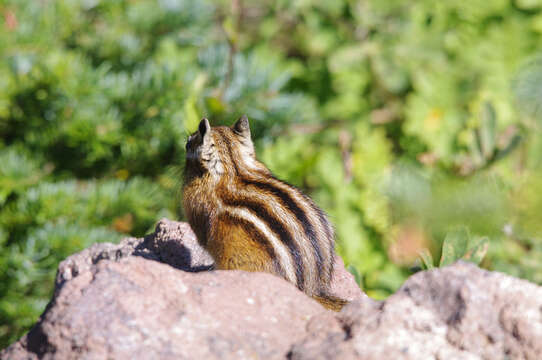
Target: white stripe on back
x,y
285,260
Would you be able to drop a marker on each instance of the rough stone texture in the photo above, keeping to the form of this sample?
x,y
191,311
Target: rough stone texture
x,y
134,308
458,312
176,245
132,301
344,285
123,302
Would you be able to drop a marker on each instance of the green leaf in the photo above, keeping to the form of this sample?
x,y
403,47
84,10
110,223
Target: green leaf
x,y
476,151
478,247
354,271
427,258
488,124
516,140
454,246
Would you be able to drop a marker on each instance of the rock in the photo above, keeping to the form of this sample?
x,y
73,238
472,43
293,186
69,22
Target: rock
x,y
176,245
135,308
124,302
344,284
148,298
458,312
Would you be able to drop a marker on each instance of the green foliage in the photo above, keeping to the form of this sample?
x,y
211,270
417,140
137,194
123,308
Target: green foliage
x,y
18,172
52,220
403,120
458,245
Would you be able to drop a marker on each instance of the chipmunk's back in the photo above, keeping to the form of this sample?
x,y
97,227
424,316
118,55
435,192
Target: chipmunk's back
x,y
247,219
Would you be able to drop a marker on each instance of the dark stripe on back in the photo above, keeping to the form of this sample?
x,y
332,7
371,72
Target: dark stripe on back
x,y
287,200
329,237
257,236
277,227
290,204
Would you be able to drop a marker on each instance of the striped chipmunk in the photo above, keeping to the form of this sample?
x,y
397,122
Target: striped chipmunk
x,y
249,220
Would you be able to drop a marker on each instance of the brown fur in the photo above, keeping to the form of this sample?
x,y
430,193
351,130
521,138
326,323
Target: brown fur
x,y
249,220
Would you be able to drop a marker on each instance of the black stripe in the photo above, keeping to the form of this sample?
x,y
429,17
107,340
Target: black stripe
x,y
329,237
278,228
290,204
287,200
259,237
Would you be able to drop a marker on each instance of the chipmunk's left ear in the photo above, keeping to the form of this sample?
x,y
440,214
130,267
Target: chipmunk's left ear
x,y
204,129
242,127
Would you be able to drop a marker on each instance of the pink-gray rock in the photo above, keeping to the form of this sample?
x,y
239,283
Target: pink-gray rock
x,y
132,301
148,299
140,309
458,312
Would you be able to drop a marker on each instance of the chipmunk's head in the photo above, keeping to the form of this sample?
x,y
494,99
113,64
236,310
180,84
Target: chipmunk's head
x,y
222,150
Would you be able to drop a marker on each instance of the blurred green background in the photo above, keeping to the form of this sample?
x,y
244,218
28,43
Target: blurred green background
x,y
403,119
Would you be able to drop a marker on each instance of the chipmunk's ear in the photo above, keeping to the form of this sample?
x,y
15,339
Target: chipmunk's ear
x,y
204,128
242,127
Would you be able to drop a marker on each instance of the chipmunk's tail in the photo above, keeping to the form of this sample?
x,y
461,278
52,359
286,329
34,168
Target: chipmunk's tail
x,y
330,302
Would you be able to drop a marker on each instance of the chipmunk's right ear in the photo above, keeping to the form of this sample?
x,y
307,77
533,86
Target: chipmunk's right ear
x,y
242,127
204,128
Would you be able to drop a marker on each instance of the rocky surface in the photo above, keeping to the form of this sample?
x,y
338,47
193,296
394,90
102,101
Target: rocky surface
x,y
458,312
152,298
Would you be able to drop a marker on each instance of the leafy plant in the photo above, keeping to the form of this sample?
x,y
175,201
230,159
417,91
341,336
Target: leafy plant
x,y
458,245
488,146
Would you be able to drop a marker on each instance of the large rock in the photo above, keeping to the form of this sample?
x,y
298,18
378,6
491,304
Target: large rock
x,y
131,301
458,312
151,298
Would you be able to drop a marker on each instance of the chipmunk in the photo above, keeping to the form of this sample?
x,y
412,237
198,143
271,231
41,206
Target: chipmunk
x,y
249,220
